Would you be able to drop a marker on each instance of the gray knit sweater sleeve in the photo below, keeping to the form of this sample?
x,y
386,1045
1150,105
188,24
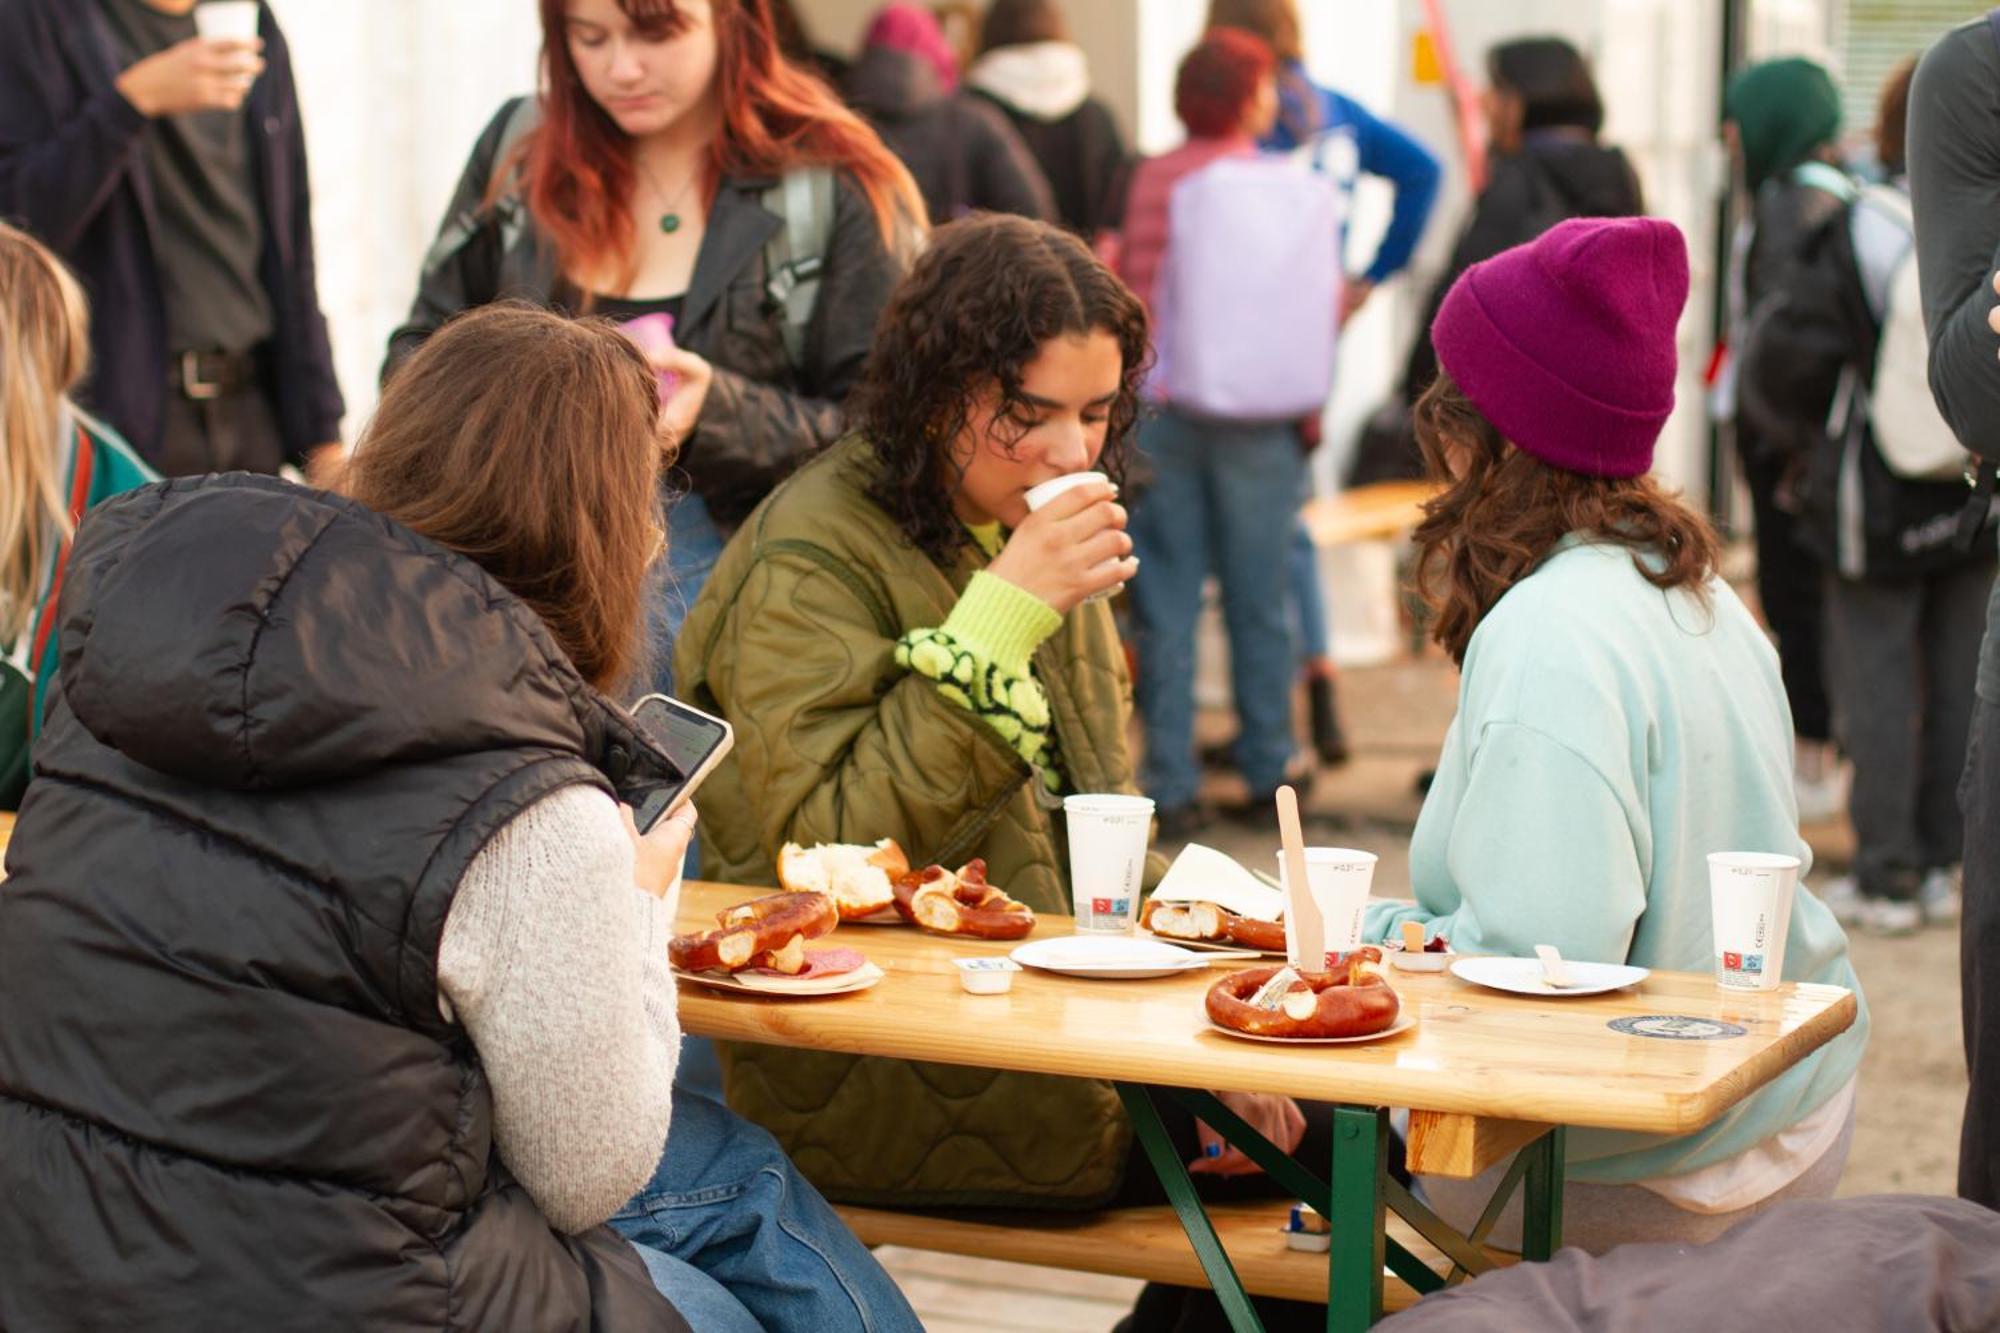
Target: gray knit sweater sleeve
x,y
556,965
1954,157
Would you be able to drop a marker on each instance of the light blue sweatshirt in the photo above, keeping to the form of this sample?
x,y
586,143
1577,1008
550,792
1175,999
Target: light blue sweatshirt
x,y
1609,737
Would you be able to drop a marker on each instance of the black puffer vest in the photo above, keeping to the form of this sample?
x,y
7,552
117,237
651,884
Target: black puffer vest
x,y
284,726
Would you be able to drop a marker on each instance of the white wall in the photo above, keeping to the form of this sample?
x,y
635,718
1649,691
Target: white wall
x,y
393,92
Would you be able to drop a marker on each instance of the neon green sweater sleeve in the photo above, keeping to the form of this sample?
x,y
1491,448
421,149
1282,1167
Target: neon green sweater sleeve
x,y
980,659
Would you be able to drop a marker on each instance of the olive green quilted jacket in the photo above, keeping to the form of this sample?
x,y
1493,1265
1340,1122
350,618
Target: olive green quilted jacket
x,y
793,641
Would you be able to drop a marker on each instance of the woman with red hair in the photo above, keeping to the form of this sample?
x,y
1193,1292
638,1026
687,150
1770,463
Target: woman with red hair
x,y
675,164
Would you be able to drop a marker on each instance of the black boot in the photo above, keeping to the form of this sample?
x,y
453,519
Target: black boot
x,y
1329,742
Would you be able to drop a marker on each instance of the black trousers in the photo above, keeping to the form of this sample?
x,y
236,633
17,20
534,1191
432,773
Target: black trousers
x,y
1902,655
1789,584
235,432
1979,958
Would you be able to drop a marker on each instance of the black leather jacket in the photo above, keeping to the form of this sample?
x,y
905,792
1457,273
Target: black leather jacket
x,y
764,416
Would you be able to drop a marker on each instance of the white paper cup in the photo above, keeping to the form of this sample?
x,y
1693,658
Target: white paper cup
x,y
1339,878
1108,834
234,20
1040,495
1750,899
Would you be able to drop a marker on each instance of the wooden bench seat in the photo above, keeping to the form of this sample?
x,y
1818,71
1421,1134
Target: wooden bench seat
x,y
1145,1243
1381,511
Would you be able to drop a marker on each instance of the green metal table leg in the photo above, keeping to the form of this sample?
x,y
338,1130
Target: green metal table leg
x,y
1360,1164
1174,1178
1541,1203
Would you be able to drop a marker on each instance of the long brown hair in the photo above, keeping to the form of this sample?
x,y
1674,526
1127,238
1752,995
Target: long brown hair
x,y
578,163
1503,510
530,444
44,351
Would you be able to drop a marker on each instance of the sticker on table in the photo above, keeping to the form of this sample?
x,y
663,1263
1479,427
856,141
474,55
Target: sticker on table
x,y
1677,1027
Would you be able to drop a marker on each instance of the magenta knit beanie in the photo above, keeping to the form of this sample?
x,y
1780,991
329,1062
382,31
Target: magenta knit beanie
x,y
1566,344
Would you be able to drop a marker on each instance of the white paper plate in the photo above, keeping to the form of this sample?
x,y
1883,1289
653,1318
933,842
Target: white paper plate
x,y
1109,957
861,978
1523,976
1404,1022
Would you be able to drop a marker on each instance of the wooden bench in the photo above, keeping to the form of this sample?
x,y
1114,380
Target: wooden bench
x,y
1382,511
1144,1243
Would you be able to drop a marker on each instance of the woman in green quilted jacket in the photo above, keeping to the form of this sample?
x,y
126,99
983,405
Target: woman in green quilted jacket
x,y
905,651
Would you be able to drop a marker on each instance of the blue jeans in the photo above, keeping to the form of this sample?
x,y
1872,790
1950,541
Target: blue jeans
x,y
1307,597
737,1239
1224,498
694,544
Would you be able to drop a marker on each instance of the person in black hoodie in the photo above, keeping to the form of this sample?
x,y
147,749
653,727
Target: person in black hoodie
x,y
965,156
1954,148
1030,69
1544,165
335,982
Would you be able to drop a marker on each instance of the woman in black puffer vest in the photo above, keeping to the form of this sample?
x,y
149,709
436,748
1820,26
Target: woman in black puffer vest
x,y
271,1058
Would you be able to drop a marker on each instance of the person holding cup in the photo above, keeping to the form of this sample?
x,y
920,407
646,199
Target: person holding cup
x,y
156,146
1620,718
907,649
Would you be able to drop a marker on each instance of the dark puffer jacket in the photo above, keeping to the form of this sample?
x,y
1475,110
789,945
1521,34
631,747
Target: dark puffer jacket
x,y
764,416
965,156
283,728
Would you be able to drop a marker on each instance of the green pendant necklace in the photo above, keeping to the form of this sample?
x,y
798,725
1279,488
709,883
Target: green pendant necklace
x,y
670,220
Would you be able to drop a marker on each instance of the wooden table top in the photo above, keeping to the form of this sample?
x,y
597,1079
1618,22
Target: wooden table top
x,y
1473,1051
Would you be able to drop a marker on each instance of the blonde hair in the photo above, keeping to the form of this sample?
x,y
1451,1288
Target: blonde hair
x,y
44,351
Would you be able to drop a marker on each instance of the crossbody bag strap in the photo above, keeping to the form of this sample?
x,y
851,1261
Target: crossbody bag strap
x,y
79,500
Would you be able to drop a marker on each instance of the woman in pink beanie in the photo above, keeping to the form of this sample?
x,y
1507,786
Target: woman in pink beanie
x,y
1620,714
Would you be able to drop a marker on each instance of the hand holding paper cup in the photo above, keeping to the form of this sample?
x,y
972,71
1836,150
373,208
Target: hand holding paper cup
x,y
1750,897
1039,496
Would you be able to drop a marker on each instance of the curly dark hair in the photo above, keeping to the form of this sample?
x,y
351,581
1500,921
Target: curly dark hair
x,y
979,305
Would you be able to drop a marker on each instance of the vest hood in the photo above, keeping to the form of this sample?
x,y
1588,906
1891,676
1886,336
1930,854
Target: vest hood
x,y
245,633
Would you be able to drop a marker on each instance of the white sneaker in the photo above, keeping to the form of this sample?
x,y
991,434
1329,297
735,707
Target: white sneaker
x,y
1843,897
1939,897
1820,799
1890,916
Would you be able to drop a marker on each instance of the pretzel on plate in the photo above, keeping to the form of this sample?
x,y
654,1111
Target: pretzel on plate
x,y
765,932
961,904
1350,1001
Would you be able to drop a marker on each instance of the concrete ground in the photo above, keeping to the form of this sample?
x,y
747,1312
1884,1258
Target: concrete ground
x,y
1912,1081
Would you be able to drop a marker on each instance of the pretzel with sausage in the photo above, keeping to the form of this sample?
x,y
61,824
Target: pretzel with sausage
x,y
961,904
1350,1001
1211,923
765,932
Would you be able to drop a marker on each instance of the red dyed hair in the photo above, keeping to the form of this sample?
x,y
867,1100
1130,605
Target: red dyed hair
x,y
774,116
1218,80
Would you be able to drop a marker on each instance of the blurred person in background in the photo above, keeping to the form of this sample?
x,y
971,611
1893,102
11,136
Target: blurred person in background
x,y
1783,121
962,151
1224,494
675,164
169,171
1842,392
1345,139
1031,69
1544,164
58,463
1954,159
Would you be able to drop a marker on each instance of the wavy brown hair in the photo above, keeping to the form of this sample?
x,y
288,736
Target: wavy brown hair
x,y
976,309
530,444
1503,510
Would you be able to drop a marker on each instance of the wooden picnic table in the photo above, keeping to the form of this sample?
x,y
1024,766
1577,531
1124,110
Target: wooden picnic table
x,y
1379,511
1485,1075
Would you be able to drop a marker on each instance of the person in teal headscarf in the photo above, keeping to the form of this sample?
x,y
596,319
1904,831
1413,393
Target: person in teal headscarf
x,y
1783,117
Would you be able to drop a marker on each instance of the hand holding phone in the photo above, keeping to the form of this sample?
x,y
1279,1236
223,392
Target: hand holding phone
x,y
692,739
659,853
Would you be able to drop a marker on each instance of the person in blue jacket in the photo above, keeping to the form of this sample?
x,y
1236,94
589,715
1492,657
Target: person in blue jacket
x,y
1348,141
